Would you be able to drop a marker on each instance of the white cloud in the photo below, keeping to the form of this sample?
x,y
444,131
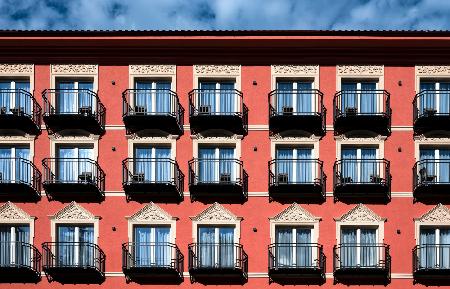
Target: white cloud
x,y
224,14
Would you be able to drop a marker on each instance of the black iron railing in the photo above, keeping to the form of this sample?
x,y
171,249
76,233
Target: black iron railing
x,y
296,172
432,171
431,257
152,255
217,256
148,102
152,171
73,170
296,256
74,102
362,102
73,255
22,103
362,171
20,171
20,254
216,171
364,256
428,103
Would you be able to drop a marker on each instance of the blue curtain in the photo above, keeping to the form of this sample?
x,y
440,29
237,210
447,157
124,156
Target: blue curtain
x,y
23,169
142,247
10,163
143,162
227,164
23,101
152,253
69,167
227,103
66,97
206,247
348,247
69,247
163,99
304,248
428,158
66,249
143,96
226,247
444,97
349,96
427,254
14,251
85,97
304,98
368,98
304,166
369,166
5,245
5,95
428,99
6,164
349,164
162,164
285,164
85,166
284,97
284,246
207,95
86,249
444,252
207,165
368,253
162,250
444,165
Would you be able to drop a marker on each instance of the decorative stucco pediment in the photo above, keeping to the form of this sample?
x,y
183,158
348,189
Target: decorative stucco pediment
x,y
150,212
295,213
360,213
215,212
75,212
439,214
9,211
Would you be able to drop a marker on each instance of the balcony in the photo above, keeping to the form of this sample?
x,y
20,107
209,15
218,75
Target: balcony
x,y
211,263
362,112
152,179
20,263
297,180
431,264
19,113
152,263
226,115
297,111
152,110
68,179
20,180
221,180
74,263
362,180
65,116
431,112
292,264
357,264
431,181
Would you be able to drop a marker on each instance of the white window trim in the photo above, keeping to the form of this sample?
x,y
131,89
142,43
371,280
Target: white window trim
x,y
295,72
15,141
428,142
9,71
438,216
217,141
359,73
430,73
74,141
170,141
313,142
217,72
152,72
360,142
11,214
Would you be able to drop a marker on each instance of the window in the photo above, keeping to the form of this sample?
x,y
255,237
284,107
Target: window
x,y
359,247
216,246
295,97
14,164
151,245
75,163
294,247
359,164
296,164
75,245
217,164
153,96
153,163
435,97
217,97
75,95
435,164
360,97
434,250
14,240
13,95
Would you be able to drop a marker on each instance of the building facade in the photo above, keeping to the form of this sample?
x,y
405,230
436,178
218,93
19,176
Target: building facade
x,y
255,159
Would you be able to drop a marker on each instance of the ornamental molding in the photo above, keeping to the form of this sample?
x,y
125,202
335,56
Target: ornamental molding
x,y
150,69
215,212
433,69
74,68
10,212
150,213
91,137
136,137
295,213
217,69
216,138
295,69
360,213
377,138
432,139
360,70
73,212
294,138
6,68
438,214
13,138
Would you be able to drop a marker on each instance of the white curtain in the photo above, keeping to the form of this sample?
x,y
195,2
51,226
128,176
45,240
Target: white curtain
x,y
444,252
5,245
142,164
22,167
427,251
66,246
226,247
66,98
368,98
284,246
227,94
304,165
284,163
207,95
14,251
305,98
368,253
5,95
6,164
206,247
162,249
348,251
75,252
304,248
73,161
428,163
163,97
227,164
143,96
85,96
87,250
349,169
22,100
13,160
284,97
142,246
369,166
23,252
349,96
162,165
444,165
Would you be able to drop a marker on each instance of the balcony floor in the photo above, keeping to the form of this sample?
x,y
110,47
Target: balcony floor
x,y
81,191
73,124
150,191
432,193
18,192
300,193
18,274
356,276
153,275
231,123
378,124
376,193
74,275
136,123
221,192
293,276
218,276
311,124
432,277
435,123
19,123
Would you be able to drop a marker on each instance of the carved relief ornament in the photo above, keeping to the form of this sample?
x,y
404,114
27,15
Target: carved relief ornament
x,y
150,212
215,212
360,213
295,213
10,212
295,69
74,212
438,214
150,69
433,69
16,68
360,70
217,69
74,68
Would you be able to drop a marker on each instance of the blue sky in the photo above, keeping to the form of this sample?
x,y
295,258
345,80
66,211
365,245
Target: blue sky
x,y
225,14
